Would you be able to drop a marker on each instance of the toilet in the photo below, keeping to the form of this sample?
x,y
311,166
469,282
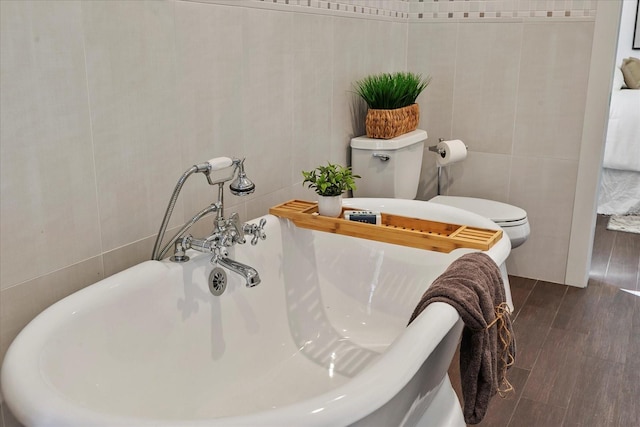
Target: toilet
x,y
391,168
512,219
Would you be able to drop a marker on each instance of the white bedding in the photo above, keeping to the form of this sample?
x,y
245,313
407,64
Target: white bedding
x,y
622,150
620,182
619,192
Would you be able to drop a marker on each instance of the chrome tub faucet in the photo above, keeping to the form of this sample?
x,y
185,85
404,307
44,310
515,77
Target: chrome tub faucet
x,y
226,232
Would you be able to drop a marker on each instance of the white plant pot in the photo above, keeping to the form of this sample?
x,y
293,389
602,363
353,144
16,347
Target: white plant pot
x,y
330,205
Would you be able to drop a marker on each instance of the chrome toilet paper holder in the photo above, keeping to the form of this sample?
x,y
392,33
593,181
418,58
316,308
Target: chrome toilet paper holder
x,y
442,152
438,150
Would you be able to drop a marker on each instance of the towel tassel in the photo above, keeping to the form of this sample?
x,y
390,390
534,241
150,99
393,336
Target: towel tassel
x,y
505,356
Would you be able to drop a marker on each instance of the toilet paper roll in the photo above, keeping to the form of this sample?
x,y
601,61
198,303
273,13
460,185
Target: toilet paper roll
x,y
451,152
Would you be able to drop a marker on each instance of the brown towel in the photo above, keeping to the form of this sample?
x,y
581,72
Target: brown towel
x,y
473,286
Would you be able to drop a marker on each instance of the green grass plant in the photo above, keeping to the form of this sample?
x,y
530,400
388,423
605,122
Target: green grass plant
x,y
330,180
388,91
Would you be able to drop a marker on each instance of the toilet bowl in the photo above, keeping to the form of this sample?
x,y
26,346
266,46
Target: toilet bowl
x,y
512,219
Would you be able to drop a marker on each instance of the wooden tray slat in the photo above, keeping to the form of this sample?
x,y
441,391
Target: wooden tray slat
x,y
396,229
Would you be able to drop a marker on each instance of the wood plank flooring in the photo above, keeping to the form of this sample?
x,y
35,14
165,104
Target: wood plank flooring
x,y
578,361
616,257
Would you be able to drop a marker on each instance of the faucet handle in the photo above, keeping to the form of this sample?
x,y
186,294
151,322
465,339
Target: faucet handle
x,y
258,232
238,229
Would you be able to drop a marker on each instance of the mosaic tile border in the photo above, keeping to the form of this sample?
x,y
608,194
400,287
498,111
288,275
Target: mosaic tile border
x,y
427,10
478,9
384,8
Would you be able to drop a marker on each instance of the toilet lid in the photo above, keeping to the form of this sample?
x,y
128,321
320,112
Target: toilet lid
x,y
413,137
498,212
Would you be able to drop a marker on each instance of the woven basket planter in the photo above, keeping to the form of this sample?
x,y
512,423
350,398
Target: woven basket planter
x,y
387,124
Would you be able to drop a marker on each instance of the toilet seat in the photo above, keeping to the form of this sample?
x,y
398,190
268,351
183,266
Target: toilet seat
x,y
512,219
498,212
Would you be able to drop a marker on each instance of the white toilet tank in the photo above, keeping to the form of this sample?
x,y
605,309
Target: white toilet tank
x,y
388,167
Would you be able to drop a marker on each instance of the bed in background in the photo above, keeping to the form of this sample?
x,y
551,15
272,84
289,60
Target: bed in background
x,y
620,182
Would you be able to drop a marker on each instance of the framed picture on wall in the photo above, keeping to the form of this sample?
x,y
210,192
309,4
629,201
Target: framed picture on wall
x,y
636,29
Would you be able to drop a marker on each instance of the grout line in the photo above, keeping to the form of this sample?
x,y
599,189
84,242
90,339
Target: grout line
x,y
515,116
453,89
93,144
525,301
606,269
566,409
638,276
515,407
524,386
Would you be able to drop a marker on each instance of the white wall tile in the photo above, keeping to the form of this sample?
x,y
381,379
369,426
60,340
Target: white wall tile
x,y
486,85
428,184
348,110
545,188
259,206
49,208
361,48
484,175
132,254
312,92
131,74
209,77
552,96
432,51
267,98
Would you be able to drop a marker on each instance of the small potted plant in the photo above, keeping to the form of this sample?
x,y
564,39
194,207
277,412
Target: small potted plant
x,y
391,98
330,182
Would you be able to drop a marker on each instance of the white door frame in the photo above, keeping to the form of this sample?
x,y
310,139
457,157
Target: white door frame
x,y
596,116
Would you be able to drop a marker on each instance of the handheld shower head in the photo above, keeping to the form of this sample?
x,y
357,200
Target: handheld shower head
x,y
242,186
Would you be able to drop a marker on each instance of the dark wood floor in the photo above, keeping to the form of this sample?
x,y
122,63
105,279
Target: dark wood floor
x,y
578,361
616,257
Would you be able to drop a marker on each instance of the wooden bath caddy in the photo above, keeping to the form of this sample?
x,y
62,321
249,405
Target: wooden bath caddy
x,y
400,230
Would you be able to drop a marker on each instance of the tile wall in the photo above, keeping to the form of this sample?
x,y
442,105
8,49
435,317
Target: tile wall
x,y
105,103
515,92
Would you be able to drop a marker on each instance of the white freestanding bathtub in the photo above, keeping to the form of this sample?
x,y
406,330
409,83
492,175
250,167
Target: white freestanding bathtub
x,y
322,341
